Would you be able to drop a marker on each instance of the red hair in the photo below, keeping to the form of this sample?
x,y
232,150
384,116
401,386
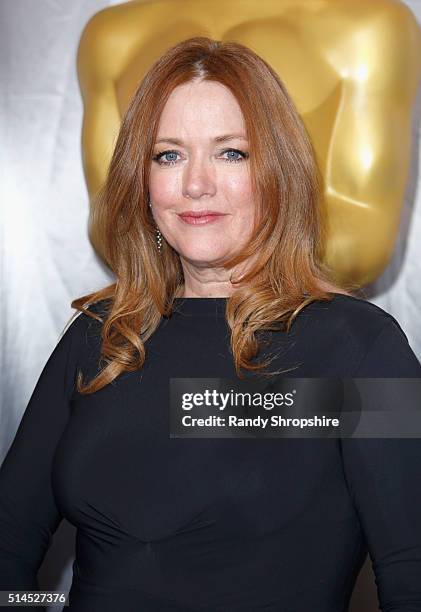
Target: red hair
x,y
287,242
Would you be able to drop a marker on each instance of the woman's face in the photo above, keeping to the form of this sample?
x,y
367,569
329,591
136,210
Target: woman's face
x,y
194,169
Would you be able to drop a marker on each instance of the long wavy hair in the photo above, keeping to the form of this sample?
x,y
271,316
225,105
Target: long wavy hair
x,y
288,234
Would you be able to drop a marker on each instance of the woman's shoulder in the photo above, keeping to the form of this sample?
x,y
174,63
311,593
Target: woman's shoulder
x,y
366,331
79,343
86,325
348,312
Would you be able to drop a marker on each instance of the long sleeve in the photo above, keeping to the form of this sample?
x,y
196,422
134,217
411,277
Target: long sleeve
x,y
28,512
384,479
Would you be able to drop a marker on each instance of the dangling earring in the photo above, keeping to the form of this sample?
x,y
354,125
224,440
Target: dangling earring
x,y
158,234
158,239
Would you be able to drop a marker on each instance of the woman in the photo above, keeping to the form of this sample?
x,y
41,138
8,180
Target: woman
x,y
213,162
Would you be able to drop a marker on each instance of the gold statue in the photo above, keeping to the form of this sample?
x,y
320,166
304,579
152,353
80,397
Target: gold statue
x,y
352,68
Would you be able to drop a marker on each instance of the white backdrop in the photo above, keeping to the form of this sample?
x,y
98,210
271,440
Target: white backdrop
x,y
46,257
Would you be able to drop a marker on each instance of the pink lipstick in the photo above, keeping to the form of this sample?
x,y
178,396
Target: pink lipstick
x,y
201,217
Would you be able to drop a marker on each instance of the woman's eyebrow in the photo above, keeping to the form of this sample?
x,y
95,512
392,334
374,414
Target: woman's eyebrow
x,y
223,138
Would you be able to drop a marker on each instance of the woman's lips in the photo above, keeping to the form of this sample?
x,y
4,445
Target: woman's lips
x,y
201,219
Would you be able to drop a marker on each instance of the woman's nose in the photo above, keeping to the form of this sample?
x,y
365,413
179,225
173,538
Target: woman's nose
x,y
199,178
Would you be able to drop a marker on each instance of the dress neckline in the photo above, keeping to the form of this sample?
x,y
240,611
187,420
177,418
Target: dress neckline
x,y
216,306
201,306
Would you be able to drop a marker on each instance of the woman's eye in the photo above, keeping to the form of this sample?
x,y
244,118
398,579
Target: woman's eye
x,y
236,152
171,157
158,157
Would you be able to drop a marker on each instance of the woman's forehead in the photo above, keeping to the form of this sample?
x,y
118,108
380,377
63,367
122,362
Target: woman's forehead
x,y
206,108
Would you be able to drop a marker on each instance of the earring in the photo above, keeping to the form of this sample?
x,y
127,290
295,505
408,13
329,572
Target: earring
x,y
158,234
158,239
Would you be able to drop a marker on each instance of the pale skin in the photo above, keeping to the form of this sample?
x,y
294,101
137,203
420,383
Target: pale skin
x,y
202,173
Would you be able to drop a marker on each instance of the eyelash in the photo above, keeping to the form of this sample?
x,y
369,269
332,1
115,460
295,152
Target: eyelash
x,y
171,163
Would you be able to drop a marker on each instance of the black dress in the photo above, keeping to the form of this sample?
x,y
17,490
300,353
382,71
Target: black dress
x,y
173,524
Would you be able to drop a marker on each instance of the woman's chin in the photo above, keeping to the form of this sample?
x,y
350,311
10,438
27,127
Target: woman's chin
x,y
202,256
